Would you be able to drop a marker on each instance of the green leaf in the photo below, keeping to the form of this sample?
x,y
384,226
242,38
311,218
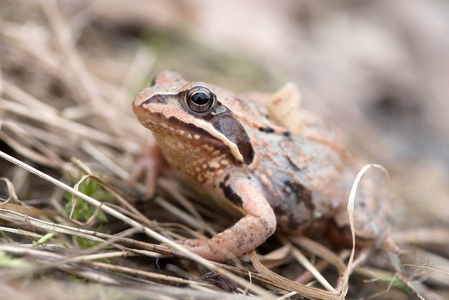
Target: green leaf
x,y
6,239
83,210
43,239
11,262
84,243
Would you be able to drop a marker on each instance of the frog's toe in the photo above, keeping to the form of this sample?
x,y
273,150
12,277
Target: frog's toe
x,y
148,166
207,249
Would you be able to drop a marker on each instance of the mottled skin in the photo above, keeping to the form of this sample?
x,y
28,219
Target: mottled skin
x,y
244,157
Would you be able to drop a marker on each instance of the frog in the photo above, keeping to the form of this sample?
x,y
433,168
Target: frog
x,y
262,157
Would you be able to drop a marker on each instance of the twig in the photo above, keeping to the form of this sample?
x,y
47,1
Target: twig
x,y
136,225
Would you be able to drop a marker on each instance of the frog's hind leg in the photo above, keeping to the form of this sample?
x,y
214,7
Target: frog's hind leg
x,y
284,107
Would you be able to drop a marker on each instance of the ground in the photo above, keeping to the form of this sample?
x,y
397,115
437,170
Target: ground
x,y
70,69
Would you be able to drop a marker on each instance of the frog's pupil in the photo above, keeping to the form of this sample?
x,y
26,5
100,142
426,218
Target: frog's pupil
x,y
200,98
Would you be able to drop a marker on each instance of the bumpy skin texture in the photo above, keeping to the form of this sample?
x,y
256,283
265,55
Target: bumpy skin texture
x,y
243,157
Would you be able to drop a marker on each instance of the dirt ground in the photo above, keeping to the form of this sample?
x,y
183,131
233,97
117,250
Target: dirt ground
x,y
379,70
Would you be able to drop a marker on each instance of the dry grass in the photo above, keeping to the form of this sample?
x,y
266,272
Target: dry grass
x,y
66,123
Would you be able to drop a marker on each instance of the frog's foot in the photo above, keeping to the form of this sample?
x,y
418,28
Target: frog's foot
x,y
232,243
148,166
207,249
236,241
248,233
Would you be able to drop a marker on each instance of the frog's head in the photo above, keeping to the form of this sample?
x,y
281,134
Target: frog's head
x,y
188,119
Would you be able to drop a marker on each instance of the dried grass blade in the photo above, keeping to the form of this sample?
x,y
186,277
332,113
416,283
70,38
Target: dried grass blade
x,y
36,212
423,236
59,122
197,218
309,267
27,152
290,285
21,232
149,275
117,194
11,191
350,207
117,240
25,98
101,157
320,251
255,289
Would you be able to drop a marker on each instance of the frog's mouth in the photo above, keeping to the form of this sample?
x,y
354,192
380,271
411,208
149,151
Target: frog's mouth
x,y
186,133
163,113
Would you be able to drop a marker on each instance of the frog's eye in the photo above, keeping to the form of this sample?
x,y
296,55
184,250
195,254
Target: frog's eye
x,y
200,99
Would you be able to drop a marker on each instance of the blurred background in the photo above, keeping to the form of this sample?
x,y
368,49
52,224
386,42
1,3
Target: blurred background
x,y
379,70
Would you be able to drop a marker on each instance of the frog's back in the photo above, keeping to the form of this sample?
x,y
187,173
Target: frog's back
x,y
300,175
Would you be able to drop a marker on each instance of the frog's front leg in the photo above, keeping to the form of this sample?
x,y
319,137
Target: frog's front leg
x,y
248,233
149,165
